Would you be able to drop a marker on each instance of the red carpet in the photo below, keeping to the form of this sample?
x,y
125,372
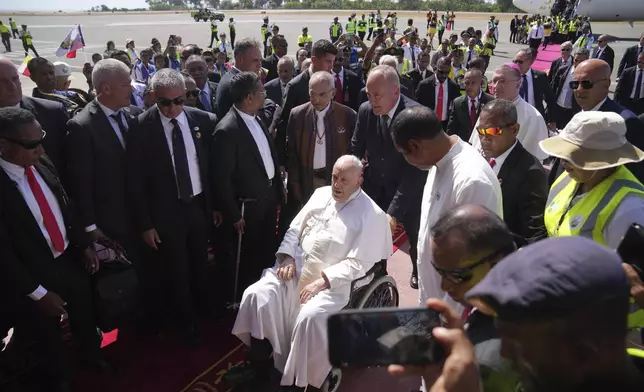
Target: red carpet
x,y
546,57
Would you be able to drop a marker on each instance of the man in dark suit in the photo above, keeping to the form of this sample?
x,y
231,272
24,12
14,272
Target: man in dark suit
x,y
347,83
248,58
421,72
51,115
630,90
197,68
168,181
389,180
244,167
524,182
565,104
514,28
42,251
404,91
604,52
564,60
95,157
280,49
441,87
535,88
276,88
630,56
467,107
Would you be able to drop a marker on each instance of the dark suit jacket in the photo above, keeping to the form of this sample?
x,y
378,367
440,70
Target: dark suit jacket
x,y
608,55
270,63
426,94
150,171
53,119
351,86
625,87
629,59
297,93
362,96
339,123
416,77
26,261
554,67
96,169
524,184
459,120
389,179
237,169
213,97
274,91
542,92
223,101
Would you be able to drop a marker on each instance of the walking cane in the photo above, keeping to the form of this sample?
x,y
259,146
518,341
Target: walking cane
x,y
234,305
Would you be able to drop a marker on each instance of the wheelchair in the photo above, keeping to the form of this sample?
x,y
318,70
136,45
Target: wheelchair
x,y
374,290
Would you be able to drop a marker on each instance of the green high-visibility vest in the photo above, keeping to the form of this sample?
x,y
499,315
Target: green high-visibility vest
x,y
335,30
213,26
372,23
13,25
4,29
351,27
26,37
362,26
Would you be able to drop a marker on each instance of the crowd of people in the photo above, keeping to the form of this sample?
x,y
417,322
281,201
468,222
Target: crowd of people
x,y
237,174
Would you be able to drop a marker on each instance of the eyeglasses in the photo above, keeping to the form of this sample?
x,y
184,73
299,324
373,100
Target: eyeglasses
x,y
167,102
30,145
585,84
462,275
566,50
494,131
193,93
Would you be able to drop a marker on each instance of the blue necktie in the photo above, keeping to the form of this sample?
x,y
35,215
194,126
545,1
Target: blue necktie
x,y
205,100
524,88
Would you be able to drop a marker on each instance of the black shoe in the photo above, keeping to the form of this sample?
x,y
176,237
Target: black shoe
x,y
413,281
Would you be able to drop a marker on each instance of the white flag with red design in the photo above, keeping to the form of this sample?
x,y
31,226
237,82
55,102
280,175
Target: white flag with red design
x,y
72,42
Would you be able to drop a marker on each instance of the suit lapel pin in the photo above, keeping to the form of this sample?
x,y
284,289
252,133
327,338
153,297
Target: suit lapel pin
x,y
197,133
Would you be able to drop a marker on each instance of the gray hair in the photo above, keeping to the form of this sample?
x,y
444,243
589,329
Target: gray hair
x,y
167,78
288,60
389,60
324,77
390,74
503,108
351,161
507,68
244,45
581,52
527,51
567,43
105,70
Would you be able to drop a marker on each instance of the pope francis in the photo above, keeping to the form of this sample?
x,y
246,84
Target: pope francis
x,y
336,238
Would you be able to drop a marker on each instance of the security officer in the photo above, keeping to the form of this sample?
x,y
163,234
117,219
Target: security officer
x,y
335,30
14,29
264,29
27,43
351,26
304,38
372,25
214,35
361,28
233,31
6,37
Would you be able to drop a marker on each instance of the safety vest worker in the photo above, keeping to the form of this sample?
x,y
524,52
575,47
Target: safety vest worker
x,y
351,26
304,38
406,66
264,29
4,29
335,31
13,25
26,37
362,25
213,26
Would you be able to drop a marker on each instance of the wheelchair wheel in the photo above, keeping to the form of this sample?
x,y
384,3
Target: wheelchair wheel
x,y
333,380
381,293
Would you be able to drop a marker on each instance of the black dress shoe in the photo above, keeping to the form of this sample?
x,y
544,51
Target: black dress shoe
x,y
413,281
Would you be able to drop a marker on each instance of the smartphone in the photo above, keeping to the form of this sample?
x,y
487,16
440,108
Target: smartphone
x,y
630,249
379,337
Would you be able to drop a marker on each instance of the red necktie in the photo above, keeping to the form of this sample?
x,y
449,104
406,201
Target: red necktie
x,y
338,89
492,162
48,217
439,104
466,313
473,111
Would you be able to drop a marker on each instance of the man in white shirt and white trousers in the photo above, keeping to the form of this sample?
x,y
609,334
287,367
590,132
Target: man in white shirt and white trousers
x,y
507,82
335,239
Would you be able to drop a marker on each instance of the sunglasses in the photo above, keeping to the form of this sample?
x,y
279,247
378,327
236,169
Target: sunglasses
x,y
585,84
566,50
167,102
494,131
193,93
30,145
463,275
518,62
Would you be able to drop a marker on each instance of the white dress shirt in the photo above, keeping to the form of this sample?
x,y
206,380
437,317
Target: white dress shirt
x,y
115,126
460,177
191,149
446,101
501,158
638,72
408,51
596,108
17,174
566,91
319,153
260,140
536,32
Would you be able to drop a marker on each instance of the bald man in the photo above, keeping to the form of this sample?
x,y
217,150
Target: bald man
x,y
598,72
604,52
51,115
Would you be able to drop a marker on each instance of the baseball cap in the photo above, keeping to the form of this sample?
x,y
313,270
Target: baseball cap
x,y
62,69
550,279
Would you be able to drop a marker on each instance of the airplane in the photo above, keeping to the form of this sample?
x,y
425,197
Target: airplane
x,y
597,10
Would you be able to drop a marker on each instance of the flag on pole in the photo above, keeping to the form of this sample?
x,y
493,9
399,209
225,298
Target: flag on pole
x,y
23,70
73,41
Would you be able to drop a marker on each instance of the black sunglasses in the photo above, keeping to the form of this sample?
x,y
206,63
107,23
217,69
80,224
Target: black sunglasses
x,y
519,62
193,93
462,275
565,50
585,84
167,102
31,145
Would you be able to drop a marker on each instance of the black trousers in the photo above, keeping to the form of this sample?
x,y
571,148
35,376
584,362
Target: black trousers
x,y
361,34
513,35
411,224
534,43
27,47
562,116
232,40
176,273
6,41
546,41
70,281
15,33
213,37
370,33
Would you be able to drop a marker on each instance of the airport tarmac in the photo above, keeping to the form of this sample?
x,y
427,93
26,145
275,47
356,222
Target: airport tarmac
x,y
48,31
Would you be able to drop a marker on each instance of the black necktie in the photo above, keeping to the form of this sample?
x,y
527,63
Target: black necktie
x,y
184,184
119,121
384,125
413,56
523,91
638,85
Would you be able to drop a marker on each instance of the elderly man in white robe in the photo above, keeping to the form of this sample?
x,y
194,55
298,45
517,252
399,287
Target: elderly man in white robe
x,y
507,82
335,239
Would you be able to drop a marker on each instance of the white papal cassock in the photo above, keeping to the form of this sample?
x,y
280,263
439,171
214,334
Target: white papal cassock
x,y
532,129
342,239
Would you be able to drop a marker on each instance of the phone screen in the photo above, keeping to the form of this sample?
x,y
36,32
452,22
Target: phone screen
x,y
630,249
379,337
